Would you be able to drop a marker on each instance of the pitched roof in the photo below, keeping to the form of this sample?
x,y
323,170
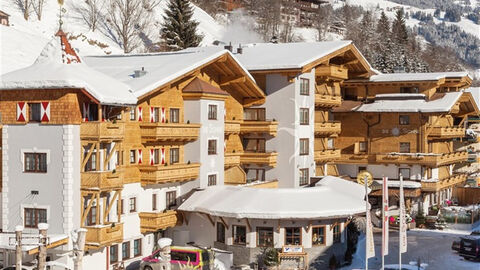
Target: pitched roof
x,y
4,13
475,91
58,67
281,203
200,86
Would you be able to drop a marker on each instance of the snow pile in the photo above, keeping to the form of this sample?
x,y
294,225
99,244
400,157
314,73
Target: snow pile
x,y
282,203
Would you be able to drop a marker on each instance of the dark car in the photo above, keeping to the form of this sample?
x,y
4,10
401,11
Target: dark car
x,y
470,247
456,245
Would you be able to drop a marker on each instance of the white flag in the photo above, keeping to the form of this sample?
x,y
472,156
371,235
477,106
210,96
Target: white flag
x,y
403,223
369,238
385,217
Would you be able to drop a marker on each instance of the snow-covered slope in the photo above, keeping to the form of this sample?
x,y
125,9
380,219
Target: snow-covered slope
x,y
22,41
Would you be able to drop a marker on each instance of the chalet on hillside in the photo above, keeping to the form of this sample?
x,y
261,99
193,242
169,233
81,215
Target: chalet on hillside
x,y
4,18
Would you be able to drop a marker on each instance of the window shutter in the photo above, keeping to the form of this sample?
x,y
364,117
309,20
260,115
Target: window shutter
x,y
21,112
151,156
163,115
139,156
152,114
139,112
162,157
45,111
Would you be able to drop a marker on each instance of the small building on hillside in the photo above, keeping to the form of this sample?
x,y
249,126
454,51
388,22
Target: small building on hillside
x,y
312,221
4,18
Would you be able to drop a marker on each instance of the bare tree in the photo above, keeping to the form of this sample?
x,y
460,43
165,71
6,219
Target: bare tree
x,y
128,19
24,6
38,7
91,12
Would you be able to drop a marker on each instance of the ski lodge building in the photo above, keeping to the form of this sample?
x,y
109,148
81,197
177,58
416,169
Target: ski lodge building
x,y
214,147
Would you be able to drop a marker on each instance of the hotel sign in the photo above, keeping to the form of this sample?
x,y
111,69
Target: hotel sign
x,y
292,249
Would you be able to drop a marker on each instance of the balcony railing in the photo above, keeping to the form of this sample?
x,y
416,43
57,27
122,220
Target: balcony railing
x,y
152,221
102,131
105,180
160,174
328,128
325,100
434,186
151,132
332,72
232,159
350,158
432,160
268,158
104,235
326,155
447,132
232,127
268,127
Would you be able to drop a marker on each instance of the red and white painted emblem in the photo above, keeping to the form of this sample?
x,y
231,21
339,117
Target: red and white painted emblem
x,y
45,111
21,111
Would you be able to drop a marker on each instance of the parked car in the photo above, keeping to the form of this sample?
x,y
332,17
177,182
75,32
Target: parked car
x,y
195,257
456,245
470,247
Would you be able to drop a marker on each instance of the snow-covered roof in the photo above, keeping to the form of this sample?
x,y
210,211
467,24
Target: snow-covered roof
x,y
396,183
475,91
332,197
161,68
410,103
405,77
51,71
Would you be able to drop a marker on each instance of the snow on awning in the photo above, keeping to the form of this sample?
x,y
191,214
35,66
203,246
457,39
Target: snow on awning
x,y
332,197
7,241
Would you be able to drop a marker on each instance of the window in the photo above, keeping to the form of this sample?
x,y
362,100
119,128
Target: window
x,y
118,158
220,232
174,115
184,257
212,147
405,172
362,146
174,155
265,236
212,180
125,250
361,169
154,201
92,216
156,156
304,87
113,254
133,204
404,120
318,236
212,112
293,236
304,116
239,234
121,206
133,114
255,175
171,199
336,233
254,145
404,147
303,177
254,114
137,247
410,90
156,115
34,113
35,162
91,163
133,158
34,216
330,143
304,147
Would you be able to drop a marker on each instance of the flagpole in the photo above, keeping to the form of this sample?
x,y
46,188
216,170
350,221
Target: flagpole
x,y
400,224
384,219
365,179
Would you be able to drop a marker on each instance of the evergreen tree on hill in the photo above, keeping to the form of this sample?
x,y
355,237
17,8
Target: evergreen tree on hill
x,y
399,28
179,30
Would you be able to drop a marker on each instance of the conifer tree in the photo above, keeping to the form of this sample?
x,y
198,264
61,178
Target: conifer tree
x,y
399,28
179,30
383,25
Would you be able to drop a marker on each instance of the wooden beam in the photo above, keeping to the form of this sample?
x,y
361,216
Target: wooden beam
x,y
225,80
224,222
97,165
107,158
248,224
210,218
110,205
333,225
309,226
184,217
119,206
87,157
97,218
86,211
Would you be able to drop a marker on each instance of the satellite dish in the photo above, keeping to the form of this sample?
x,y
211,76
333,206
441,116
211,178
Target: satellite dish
x,y
361,178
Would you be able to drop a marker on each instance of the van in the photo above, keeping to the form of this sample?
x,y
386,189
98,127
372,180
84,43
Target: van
x,y
181,257
470,247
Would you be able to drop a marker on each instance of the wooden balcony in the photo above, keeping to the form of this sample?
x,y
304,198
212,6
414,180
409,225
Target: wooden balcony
x,y
435,186
131,174
102,131
153,132
154,221
332,72
324,100
447,132
105,180
103,235
432,160
328,128
268,127
326,155
350,158
266,159
232,127
161,174
232,159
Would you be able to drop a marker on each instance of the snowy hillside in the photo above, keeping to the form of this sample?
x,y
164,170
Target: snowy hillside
x,y
22,41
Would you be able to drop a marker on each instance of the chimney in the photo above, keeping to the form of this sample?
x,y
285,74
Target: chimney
x,y
239,49
139,73
228,47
